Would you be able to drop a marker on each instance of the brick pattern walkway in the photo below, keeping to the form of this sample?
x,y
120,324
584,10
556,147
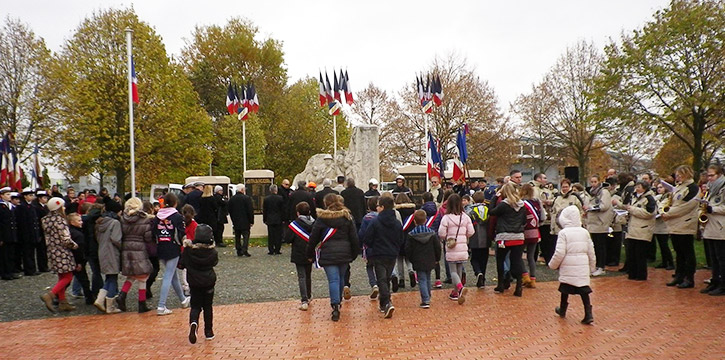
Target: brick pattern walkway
x,y
633,320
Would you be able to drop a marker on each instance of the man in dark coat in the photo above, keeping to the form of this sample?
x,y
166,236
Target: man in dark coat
x,y
372,189
41,209
28,231
185,190
194,197
355,201
320,195
400,187
242,213
8,236
298,196
221,216
272,214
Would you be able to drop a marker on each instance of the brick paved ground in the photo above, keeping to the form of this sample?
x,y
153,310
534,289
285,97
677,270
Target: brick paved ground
x,y
633,320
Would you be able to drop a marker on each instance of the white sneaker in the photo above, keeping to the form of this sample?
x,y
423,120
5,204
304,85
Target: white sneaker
x,y
374,293
163,311
185,304
598,272
303,306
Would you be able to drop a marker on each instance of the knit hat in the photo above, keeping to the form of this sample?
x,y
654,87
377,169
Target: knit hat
x,y
113,206
55,203
204,234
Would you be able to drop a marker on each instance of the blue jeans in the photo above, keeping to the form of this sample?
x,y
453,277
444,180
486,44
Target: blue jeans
x,y
424,284
111,285
76,288
170,279
336,281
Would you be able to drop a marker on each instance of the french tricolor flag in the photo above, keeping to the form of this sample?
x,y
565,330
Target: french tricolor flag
x,y
134,83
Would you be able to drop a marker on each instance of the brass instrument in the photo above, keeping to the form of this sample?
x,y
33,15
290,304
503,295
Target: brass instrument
x,y
703,210
667,204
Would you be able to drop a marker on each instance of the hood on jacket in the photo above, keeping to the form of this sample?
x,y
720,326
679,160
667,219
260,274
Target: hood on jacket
x,y
334,218
518,205
570,217
405,206
423,238
103,223
166,212
388,218
306,219
130,219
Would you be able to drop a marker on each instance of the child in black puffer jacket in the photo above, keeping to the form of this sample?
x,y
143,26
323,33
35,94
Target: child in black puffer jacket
x,y
299,236
199,258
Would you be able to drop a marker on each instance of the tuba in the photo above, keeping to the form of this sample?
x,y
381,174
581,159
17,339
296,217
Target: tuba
x,y
703,210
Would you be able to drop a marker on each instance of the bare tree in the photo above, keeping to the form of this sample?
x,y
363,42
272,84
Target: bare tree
x,y
534,110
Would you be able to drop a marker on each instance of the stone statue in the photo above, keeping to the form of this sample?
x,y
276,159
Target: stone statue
x,y
361,161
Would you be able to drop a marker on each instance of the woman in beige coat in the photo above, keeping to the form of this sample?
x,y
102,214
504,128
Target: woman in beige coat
x,y
681,223
640,229
599,220
715,229
663,197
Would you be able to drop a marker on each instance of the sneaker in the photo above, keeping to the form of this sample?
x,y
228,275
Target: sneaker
x,y
374,293
346,293
598,272
462,296
480,281
185,304
187,291
394,279
163,311
304,305
77,296
209,335
424,305
389,311
453,295
192,332
438,284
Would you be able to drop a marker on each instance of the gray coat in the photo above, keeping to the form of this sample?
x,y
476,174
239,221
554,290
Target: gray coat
x,y
108,235
136,230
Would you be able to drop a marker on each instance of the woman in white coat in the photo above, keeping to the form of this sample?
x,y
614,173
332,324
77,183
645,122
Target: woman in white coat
x,y
575,259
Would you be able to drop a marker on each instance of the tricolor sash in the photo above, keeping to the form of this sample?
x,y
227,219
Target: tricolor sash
x,y
299,230
327,236
430,221
533,211
408,223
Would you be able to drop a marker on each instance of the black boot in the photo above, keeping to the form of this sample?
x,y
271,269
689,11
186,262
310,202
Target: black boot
x,y
588,317
121,301
142,308
710,287
561,309
519,287
676,281
335,312
688,283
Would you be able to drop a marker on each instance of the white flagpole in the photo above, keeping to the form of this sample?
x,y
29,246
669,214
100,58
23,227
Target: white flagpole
x,y
427,155
334,137
244,143
129,33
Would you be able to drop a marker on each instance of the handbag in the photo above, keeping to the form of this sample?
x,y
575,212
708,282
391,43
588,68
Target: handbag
x,y
451,242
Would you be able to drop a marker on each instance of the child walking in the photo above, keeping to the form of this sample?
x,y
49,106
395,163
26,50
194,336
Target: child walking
x,y
299,236
199,258
424,251
575,259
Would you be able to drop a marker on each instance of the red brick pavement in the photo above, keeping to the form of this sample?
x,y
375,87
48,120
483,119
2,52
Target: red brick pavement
x,y
633,320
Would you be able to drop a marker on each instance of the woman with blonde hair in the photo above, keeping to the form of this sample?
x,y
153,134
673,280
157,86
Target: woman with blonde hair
x,y
510,221
534,213
135,263
681,222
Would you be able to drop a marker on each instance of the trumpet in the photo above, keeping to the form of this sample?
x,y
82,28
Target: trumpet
x,y
703,219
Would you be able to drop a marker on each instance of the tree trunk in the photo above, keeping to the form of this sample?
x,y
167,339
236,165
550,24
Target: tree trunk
x,y
582,163
121,181
697,150
100,179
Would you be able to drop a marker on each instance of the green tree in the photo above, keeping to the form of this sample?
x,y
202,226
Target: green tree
x,y
24,63
90,79
669,76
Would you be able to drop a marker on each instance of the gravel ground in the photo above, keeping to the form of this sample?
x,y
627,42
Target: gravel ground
x,y
240,279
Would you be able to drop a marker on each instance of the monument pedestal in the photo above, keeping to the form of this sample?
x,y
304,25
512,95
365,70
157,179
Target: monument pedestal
x,y
415,180
257,183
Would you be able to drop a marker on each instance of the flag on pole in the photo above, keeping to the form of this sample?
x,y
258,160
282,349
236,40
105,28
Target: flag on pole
x,y
434,159
36,168
3,161
243,104
134,83
17,183
252,98
419,85
328,90
461,145
336,87
437,90
237,100
348,90
230,100
323,96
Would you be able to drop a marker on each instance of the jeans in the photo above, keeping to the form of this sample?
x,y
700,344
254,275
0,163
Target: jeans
x,y
202,298
96,279
80,279
170,279
304,278
111,285
242,247
425,286
383,270
336,281
531,258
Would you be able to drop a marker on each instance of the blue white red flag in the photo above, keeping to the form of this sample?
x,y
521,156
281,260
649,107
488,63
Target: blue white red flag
x,y
434,159
323,94
348,90
134,83
230,100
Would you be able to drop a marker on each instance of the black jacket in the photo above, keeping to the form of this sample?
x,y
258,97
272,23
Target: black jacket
x,y
273,209
193,198
199,260
208,211
298,255
423,250
8,225
27,223
167,250
223,210
343,246
297,197
320,197
241,211
89,230
508,219
355,201
371,193
401,189
384,238
181,201
76,234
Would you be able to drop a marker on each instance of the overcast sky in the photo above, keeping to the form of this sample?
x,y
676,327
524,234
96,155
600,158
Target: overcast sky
x,y
510,43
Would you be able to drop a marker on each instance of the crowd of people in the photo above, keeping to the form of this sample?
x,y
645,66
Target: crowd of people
x,y
577,229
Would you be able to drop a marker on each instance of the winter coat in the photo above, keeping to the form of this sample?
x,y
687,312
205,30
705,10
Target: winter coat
x,y
8,225
76,234
641,225
59,243
109,236
136,231
533,220
479,218
715,227
355,201
430,208
682,217
401,190
453,224
384,237
208,212
89,230
544,195
365,225
298,255
509,219
27,223
574,255
660,226
406,212
343,246
599,212
223,211
194,199
423,248
371,193
273,209
561,202
297,197
241,211
199,260
168,231
320,197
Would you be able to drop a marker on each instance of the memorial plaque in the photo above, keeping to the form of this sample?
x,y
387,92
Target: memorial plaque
x,y
257,189
416,183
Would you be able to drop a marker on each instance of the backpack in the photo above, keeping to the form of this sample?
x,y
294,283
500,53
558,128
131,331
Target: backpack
x,y
167,232
489,193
